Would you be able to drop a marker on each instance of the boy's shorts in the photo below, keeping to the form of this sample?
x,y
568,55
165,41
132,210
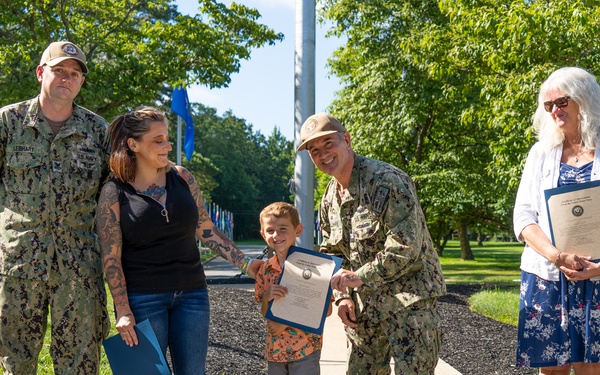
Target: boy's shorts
x,y
307,365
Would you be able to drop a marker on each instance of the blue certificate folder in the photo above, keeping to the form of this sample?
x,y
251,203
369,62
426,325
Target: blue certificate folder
x,y
145,358
307,299
574,205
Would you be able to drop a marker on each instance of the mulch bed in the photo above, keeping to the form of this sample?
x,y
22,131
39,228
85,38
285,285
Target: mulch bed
x,y
473,344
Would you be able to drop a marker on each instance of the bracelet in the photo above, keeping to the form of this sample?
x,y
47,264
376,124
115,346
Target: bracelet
x,y
557,257
245,266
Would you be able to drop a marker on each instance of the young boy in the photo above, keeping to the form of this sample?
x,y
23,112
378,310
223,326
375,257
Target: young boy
x,y
289,350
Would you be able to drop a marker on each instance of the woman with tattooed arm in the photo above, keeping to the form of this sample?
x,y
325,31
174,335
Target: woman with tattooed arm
x,y
149,216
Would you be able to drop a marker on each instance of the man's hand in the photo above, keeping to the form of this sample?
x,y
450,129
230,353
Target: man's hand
x,y
346,312
345,279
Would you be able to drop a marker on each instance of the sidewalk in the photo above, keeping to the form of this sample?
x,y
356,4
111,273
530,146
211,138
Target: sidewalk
x,y
219,273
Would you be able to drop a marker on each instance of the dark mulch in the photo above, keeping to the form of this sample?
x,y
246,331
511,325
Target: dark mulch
x,y
473,344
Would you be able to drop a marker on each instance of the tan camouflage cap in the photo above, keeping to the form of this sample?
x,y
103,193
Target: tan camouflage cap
x,y
60,51
318,125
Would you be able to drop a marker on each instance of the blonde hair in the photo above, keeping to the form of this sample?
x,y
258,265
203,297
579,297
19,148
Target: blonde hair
x,y
280,210
582,87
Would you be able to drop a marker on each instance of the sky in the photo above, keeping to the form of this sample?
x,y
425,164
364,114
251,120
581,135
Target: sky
x,y
262,92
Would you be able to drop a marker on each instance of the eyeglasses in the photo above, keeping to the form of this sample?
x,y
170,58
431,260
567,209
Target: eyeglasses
x,y
559,103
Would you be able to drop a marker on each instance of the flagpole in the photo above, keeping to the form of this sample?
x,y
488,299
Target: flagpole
x,y
304,106
178,140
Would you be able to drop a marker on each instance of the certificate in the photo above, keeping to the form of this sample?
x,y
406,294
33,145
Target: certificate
x,y
574,217
307,276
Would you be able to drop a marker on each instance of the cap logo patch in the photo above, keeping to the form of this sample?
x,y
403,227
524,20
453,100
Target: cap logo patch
x,y
70,49
311,125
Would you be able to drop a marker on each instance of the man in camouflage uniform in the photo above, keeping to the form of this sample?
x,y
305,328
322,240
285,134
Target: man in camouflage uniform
x,y
53,156
391,277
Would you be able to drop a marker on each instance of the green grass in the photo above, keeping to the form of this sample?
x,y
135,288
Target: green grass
x,y
500,305
251,242
495,263
45,366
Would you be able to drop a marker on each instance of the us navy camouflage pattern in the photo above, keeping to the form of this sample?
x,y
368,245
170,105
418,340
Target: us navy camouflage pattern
x,y
48,190
377,226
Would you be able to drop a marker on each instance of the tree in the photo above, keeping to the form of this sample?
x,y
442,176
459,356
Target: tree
x,y
445,90
252,169
508,49
400,113
136,50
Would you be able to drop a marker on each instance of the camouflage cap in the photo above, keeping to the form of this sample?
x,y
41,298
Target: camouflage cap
x,y
60,51
318,125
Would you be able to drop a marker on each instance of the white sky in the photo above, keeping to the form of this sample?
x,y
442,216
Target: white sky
x,y
262,92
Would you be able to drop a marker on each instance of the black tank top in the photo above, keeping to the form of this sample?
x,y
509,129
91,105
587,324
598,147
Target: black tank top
x,y
160,256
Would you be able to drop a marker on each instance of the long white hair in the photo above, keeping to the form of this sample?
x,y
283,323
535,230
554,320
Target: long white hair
x,y
583,88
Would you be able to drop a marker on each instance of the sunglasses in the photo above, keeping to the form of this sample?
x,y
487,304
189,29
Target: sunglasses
x,y
559,103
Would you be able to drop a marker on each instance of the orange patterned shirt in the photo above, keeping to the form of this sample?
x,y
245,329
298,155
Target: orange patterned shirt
x,y
291,344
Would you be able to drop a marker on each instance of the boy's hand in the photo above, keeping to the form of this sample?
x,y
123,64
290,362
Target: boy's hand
x,y
275,292
343,279
274,327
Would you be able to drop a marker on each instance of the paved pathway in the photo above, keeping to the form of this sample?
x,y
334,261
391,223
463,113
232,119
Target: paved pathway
x,y
219,273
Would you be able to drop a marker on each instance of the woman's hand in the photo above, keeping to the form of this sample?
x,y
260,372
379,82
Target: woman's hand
x,y
586,269
253,267
125,324
570,261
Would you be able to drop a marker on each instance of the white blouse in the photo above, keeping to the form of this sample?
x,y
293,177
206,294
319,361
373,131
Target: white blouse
x,y
540,173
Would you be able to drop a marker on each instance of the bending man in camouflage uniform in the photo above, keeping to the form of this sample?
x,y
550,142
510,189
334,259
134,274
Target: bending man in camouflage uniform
x,y
391,276
52,155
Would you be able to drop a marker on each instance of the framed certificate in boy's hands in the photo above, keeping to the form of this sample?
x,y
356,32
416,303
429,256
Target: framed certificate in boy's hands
x,y
306,275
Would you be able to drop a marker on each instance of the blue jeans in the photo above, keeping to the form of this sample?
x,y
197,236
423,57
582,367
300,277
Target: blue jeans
x,y
180,321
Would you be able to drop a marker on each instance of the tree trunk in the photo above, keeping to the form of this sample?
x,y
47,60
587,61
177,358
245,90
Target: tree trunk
x,y
479,239
465,247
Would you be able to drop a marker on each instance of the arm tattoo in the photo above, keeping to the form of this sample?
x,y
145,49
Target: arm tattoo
x,y
116,280
109,233
197,196
213,238
223,246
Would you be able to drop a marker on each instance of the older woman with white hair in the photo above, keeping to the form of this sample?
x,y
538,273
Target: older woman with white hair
x,y
557,331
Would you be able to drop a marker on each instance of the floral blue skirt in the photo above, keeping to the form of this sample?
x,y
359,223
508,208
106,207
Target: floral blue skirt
x,y
559,322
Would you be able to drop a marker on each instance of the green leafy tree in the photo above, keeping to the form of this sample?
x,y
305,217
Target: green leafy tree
x,y
252,169
136,50
445,90
400,113
278,157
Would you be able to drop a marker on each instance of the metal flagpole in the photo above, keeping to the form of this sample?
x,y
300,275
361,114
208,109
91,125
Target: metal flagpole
x,y
304,106
178,140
